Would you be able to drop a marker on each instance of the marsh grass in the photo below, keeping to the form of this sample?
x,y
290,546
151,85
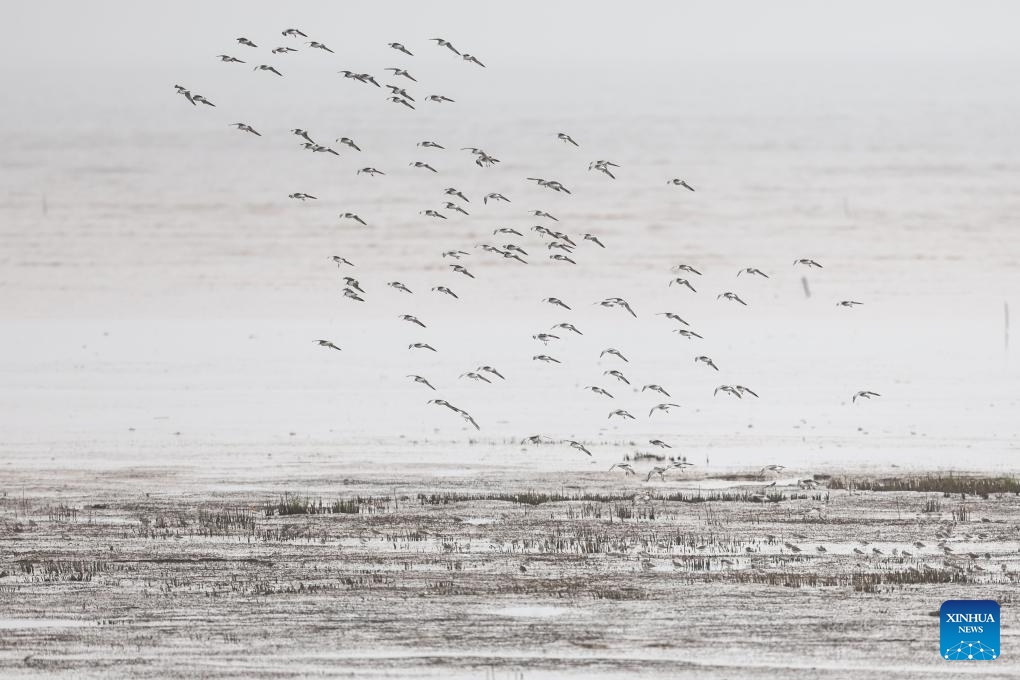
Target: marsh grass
x,y
944,484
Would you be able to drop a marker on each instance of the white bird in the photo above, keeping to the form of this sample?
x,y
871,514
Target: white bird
x,y
421,345
707,361
617,374
673,317
246,128
662,407
423,381
615,352
806,262
656,388
446,43
682,282
556,301
327,343
353,216
865,394
731,296
579,446
752,271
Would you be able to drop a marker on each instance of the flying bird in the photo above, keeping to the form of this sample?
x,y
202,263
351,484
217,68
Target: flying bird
x,y
707,361
676,181
806,262
622,414
401,100
603,167
563,136
753,271
617,374
594,239
294,33
446,43
556,301
545,358
493,371
327,343
399,286
421,345
598,390
673,317
400,48
412,319
266,67
865,394
445,291
245,41
662,407
353,216
347,141
731,296
614,352
246,128
626,467
682,282
228,58
579,446
848,303
686,268
423,381
656,388
472,59
745,390
401,72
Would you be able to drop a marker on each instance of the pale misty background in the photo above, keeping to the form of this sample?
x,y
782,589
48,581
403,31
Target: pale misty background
x,y
159,294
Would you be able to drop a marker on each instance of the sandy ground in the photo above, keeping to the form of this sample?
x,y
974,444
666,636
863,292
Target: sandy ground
x,y
153,572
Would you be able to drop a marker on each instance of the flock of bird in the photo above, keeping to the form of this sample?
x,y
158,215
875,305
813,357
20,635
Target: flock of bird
x,y
561,247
